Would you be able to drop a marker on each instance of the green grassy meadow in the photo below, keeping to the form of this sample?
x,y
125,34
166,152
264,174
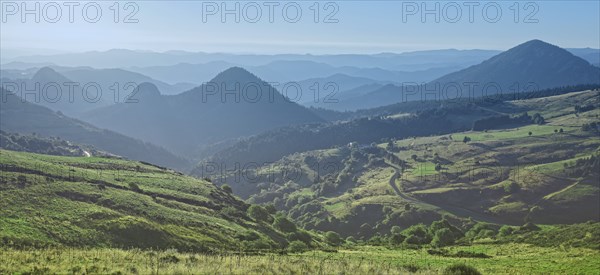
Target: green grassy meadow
x,y
501,259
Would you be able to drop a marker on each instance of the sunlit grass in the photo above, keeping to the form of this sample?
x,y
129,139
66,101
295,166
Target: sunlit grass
x,y
503,259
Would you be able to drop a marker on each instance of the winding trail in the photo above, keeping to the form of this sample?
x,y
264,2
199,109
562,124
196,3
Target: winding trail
x,y
395,176
458,211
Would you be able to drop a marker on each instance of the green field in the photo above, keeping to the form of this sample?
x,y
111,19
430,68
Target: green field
x,y
502,259
79,201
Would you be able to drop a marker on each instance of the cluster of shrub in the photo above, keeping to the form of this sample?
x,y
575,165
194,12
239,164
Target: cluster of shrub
x,y
584,108
507,120
583,167
443,233
295,240
438,234
328,176
591,127
37,144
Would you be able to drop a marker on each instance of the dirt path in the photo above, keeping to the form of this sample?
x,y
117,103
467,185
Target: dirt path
x,y
395,176
458,211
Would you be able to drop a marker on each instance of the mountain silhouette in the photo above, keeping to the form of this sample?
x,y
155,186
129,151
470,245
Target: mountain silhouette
x,y
235,103
145,91
528,67
19,116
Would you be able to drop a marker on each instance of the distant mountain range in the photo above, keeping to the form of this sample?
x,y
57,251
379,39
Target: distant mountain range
x,y
105,77
531,66
328,90
407,61
64,91
235,103
18,116
121,58
288,71
177,71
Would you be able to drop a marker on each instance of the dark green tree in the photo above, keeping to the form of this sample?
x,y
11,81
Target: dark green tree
x,y
284,224
443,237
227,188
258,213
271,208
333,238
297,247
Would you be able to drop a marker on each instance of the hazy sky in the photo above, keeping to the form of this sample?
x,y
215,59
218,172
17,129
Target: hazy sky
x,y
362,26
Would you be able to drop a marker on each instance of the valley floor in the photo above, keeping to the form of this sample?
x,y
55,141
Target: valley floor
x,y
499,259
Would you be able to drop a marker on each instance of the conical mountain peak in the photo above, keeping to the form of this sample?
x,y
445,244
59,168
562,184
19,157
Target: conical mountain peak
x,y
145,90
235,74
47,74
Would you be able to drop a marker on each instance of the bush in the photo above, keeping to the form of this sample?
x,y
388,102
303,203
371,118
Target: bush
x,y
444,223
528,227
300,235
297,247
443,237
283,224
417,234
486,233
333,238
396,229
396,239
538,119
227,188
377,239
232,212
351,240
461,269
482,230
271,208
505,230
257,244
258,213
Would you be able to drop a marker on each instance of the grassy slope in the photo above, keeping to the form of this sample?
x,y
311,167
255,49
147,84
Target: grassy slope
x,y
498,157
473,175
78,201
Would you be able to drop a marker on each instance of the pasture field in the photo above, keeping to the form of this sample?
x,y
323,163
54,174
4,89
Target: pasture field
x,y
486,258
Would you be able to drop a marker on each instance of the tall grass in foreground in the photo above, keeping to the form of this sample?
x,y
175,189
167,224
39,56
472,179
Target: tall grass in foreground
x,y
116,261
503,259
